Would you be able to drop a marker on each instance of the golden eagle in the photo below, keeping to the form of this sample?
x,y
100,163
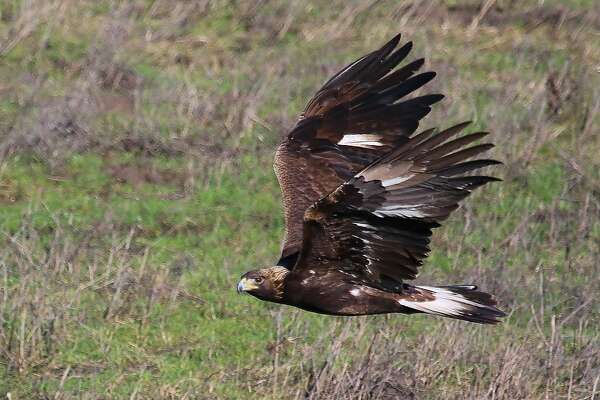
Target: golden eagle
x,y
362,194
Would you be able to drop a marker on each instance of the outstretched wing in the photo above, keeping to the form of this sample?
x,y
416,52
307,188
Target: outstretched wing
x,y
355,118
376,227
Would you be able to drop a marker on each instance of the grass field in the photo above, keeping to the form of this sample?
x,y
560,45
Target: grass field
x,y
136,142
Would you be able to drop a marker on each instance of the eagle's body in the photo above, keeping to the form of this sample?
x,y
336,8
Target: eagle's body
x,y
314,292
334,293
361,195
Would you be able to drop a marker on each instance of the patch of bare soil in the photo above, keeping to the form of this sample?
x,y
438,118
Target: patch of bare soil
x,y
503,15
9,191
137,175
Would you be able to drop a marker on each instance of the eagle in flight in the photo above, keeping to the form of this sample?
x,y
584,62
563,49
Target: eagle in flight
x,y
361,195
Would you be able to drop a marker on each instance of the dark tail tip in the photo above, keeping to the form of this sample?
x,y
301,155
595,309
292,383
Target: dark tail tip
x,y
484,311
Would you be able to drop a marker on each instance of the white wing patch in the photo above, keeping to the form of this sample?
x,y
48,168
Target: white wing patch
x,y
404,212
396,180
365,140
367,226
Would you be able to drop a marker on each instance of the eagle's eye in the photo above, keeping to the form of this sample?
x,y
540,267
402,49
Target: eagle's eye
x,y
259,280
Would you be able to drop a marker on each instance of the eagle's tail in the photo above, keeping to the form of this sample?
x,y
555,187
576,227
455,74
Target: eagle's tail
x,y
458,301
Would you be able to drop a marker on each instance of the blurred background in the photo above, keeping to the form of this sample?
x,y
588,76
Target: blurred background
x,y
136,185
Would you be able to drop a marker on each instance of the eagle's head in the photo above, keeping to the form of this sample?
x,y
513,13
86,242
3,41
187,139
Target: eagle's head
x,y
265,284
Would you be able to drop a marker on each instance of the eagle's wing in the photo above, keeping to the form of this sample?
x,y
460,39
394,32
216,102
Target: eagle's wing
x,y
376,227
355,118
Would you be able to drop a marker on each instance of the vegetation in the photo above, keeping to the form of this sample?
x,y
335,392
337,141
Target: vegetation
x,y
136,141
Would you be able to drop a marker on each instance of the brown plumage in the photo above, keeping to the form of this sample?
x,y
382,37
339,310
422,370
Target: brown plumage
x,y
361,195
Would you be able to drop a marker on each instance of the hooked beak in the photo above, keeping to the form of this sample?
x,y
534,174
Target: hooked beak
x,y
245,285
